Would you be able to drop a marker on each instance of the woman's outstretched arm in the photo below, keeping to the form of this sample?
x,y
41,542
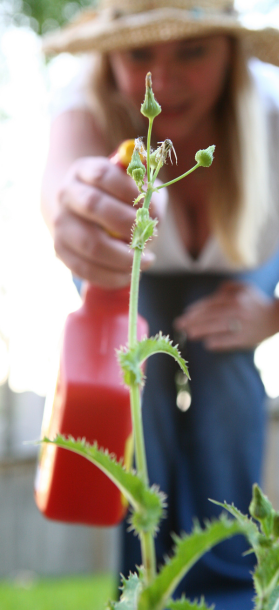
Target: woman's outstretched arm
x,y
87,202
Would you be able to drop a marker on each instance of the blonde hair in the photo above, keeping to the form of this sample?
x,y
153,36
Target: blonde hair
x,y
118,118
240,198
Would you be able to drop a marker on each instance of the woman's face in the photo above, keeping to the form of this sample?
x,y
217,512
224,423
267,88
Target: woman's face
x,y
188,78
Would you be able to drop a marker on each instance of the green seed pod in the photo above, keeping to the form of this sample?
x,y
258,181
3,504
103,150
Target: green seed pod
x,y
136,164
205,157
143,229
260,507
138,176
150,107
142,215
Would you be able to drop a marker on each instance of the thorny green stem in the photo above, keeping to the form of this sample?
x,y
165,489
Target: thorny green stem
x,y
138,433
134,294
148,149
147,198
134,389
148,556
146,538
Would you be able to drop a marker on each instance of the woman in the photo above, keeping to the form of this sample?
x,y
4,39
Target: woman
x,y
212,271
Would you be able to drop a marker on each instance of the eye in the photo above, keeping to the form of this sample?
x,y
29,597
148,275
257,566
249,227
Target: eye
x,y
140,55
196,51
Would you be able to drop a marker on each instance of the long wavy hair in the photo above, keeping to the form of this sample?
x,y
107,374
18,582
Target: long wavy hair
x,y
239,201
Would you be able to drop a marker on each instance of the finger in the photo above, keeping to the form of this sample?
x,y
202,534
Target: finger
x,y
226,342
220,299
232,286
201,307
108,177
93,273
92,243
208,314
208,328
98,207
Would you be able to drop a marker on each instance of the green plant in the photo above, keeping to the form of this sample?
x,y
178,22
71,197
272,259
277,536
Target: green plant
x,y
147,590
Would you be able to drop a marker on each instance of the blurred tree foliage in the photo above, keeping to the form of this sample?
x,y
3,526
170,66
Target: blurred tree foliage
x,y
41,15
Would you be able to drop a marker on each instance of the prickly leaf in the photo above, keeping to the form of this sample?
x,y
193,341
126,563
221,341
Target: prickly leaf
x,y
187,551
131,359
185,604
131,588
273,603
249,528
147,502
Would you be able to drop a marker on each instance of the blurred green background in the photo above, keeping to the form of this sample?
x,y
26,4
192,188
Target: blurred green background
x,y
80,593
41,15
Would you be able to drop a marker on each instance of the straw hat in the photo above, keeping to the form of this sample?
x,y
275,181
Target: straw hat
x,y
120,24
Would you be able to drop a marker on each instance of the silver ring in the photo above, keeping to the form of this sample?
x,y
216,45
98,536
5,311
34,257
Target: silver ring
x,y
234,325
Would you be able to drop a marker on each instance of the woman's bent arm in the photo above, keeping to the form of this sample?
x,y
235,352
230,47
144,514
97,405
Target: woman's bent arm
x,y
87,203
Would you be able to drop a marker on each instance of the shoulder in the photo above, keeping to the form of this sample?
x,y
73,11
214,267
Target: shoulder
x,y
69,84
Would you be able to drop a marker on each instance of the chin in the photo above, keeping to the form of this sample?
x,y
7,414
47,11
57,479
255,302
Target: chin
x,y
176,126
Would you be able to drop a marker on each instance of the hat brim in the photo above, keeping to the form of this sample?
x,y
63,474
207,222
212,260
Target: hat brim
x,y
102,33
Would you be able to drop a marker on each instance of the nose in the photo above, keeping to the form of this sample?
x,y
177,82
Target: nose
x,y
163,76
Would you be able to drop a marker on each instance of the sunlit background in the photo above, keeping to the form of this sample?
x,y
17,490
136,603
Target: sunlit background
x,y
36,290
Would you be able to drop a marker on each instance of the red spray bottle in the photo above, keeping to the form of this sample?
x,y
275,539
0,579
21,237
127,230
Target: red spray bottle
x,y
91,401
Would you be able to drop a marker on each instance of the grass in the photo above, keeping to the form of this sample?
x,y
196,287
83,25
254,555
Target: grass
x,y
74,593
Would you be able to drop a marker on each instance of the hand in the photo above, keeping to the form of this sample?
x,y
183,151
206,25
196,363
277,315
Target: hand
x,y
236,316
93,221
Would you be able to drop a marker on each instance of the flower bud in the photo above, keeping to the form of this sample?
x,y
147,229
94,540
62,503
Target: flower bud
x,y
143,228
150,107
260,507
136,169
142,215
138,176
205,157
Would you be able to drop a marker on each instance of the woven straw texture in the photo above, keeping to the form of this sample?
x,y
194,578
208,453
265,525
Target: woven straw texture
x,y
134,6
124,24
